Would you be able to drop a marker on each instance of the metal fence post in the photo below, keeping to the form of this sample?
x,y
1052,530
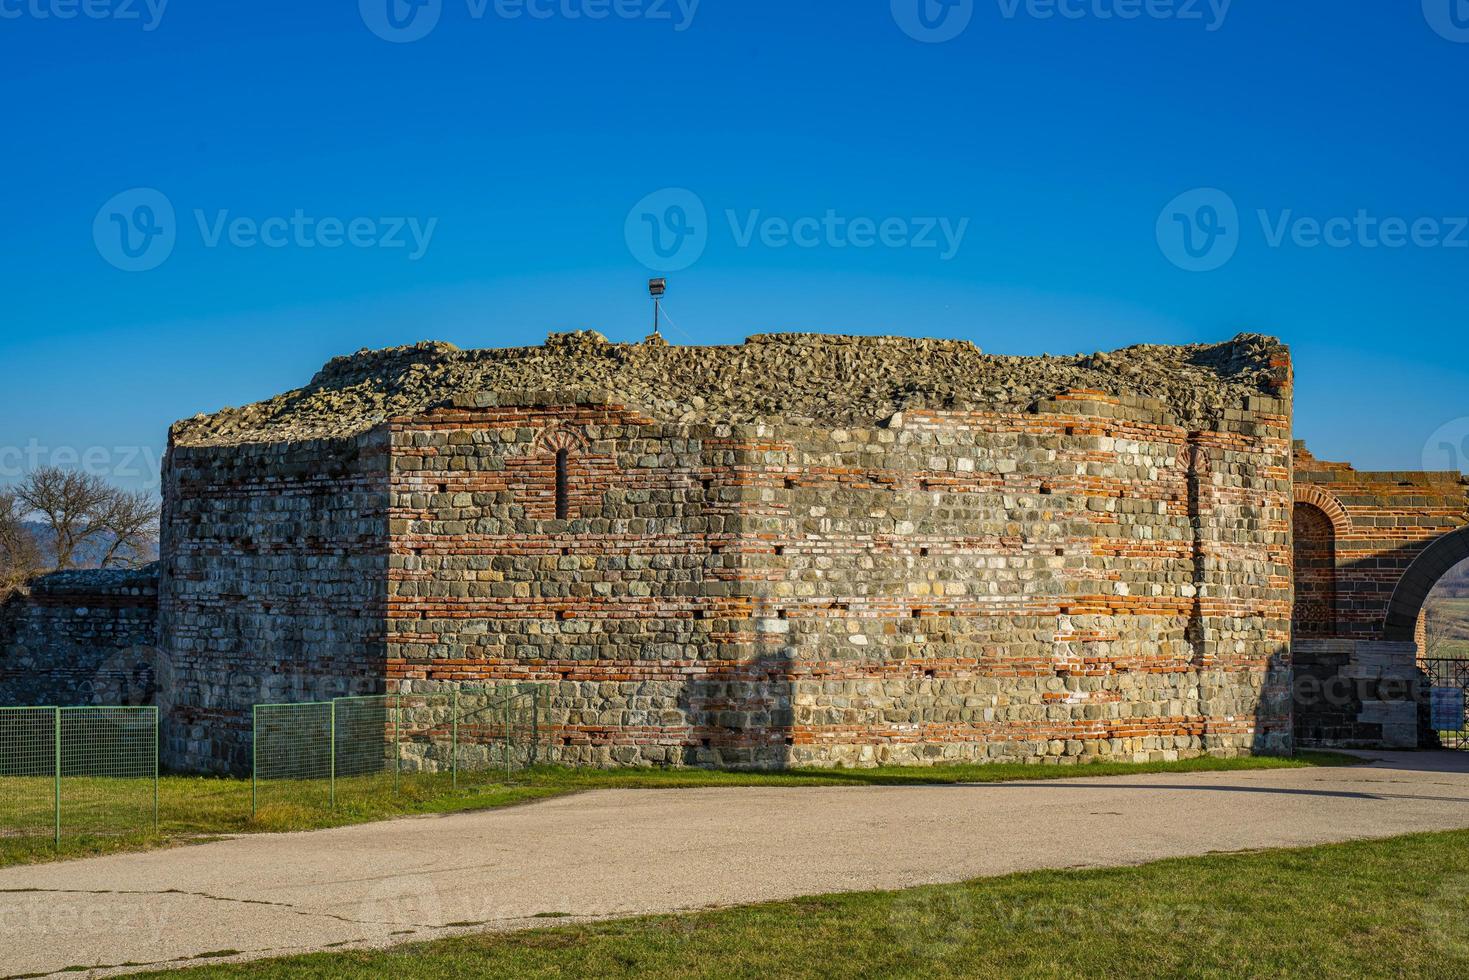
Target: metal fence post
x,y
254,759
454,739
397,740
332,776
155,770
535,725
56,744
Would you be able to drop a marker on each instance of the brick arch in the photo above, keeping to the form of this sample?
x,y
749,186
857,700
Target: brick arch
x,y
557,437
1327,504
1412,589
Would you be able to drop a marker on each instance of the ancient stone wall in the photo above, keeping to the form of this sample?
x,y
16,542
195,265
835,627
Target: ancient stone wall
x,y
81,637
804,550
274,585
1086,580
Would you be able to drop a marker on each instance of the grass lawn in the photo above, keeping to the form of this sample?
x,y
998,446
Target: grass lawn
x,y
1392,908
199,808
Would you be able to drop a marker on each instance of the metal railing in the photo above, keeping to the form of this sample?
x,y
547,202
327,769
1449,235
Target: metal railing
x,y
1448,700
350,751
90,771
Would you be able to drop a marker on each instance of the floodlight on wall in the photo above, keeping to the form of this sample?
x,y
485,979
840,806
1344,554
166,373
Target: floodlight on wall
x,y
656,289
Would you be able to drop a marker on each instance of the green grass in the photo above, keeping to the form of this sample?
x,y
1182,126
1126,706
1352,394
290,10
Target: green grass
x,y
201,808
1391,908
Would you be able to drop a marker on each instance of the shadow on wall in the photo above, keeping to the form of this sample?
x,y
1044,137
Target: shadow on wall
x,y
741,715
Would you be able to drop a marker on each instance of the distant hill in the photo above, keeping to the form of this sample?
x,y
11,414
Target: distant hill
x,y
1448,614
1455,584
89,555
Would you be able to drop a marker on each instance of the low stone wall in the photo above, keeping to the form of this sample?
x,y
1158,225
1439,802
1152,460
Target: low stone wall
x,y
82,637
1358,694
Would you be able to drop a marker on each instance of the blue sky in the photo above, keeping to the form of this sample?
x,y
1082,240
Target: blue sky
x,y
1026,183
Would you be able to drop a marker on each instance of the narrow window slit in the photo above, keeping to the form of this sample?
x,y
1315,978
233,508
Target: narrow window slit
x,y
563,494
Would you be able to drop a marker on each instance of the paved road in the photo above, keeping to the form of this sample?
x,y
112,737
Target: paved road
x,y
624,852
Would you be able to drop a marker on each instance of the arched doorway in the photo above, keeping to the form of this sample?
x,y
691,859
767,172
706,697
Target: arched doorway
x,y
1435,561
1445,665
1314,613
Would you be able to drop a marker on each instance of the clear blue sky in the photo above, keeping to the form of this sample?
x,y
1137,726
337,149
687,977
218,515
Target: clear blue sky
x,y
528,141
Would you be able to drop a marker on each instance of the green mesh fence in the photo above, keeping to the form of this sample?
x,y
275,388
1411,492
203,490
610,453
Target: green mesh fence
x,y
78,771
352,751
292,755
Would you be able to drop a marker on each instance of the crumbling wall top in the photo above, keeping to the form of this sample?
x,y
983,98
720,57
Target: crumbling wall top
x,y
800,379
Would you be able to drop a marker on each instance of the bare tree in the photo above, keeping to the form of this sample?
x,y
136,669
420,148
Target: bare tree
x,y
131,520
20,556
80,510
70,504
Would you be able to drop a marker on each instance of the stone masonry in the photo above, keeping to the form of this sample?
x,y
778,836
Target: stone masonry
x,y
802,550
81,637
